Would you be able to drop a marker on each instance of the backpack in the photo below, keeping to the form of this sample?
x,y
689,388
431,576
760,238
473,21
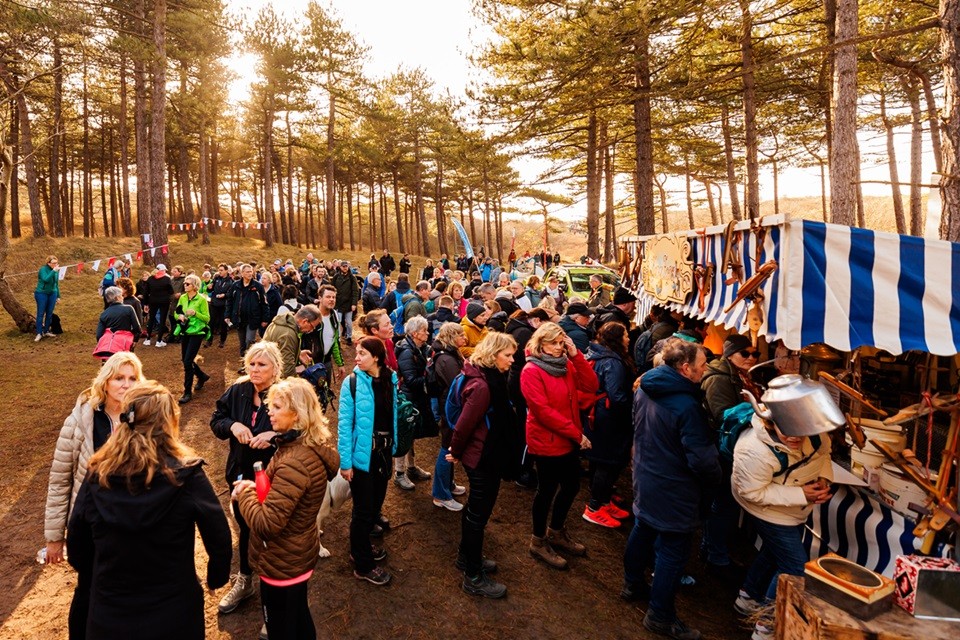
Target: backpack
x,y
396,316
736,419
641,349
434,384
590,414
453,406
408,419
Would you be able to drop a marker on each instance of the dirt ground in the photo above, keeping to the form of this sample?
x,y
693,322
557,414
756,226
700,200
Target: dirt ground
x,y
424,599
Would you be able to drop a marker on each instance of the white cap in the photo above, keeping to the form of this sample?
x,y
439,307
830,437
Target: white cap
x,y
161,267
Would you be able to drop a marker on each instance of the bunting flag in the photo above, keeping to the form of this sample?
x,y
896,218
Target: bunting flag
x,y
96,265
152,249
139,255
110,262
79,267
163,249
129,258
233,224
63,272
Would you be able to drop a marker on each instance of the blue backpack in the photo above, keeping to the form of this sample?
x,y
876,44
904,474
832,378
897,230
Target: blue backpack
x,y
736,420
453,406
396,316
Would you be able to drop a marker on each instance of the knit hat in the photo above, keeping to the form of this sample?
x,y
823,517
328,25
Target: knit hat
x,y
734,343
623,296
161,267
474,309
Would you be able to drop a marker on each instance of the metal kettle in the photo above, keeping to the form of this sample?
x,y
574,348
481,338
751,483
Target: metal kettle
x,y
798,406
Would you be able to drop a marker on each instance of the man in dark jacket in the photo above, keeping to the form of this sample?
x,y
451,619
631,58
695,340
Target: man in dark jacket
x,y
405,264
412,365
576,324
177,276
395,298
159,291
663,326
371,293
675,456
219,304
348,293
387,264
249,310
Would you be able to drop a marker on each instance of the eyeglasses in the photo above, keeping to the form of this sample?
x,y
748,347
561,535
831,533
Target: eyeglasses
x,y
747,353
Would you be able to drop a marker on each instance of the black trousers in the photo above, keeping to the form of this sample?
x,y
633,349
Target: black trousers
x,y
159,313
80,606
189,348
243,544
555,473
484,488
286,612
217,326
601,484
369,488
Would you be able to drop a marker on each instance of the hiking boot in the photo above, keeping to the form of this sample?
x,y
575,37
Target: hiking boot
x,y
675,629
185,398
377,576
483,586
450,505
402,481
615,512
241,590
541,550
202,380
632,592
561,540
747,606
488,565
600,517
416,473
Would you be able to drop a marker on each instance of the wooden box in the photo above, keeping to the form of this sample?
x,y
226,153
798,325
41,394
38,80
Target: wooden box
x,y
803,616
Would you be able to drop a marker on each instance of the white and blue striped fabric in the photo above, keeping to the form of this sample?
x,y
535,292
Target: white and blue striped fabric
x,y
846,287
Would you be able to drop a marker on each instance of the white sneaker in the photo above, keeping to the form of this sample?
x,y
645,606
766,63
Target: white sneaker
x,y
763,632
160,343
146,342
747,606
451,504
38,338
458,490
49,335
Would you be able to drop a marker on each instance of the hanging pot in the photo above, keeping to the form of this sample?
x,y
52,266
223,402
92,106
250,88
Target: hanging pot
x,y
798,406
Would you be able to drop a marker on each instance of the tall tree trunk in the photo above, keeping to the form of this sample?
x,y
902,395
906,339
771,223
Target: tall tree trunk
x,y
373,215
916,155
844,158
439,206
350,212
593,187
731,167
710,203
418,192
281,200
949,14
26,147
892,164
14,182
209,211
57,126
689,179
124,134
610,226
290,209
115,226
384,235
141,130
396,210
750,112
331,185
102,172
267,175
158,103
932,116
643,127
89,224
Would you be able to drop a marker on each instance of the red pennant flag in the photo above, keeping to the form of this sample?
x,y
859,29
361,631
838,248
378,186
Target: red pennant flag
x,y
110,262
79,267
139,255
163,249
201,225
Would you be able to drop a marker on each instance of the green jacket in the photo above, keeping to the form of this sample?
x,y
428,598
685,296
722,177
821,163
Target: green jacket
x,y
196,324
721,389
48,280
284,331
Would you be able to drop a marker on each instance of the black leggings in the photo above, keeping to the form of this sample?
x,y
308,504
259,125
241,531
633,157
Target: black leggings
x,y
189,348
80,606
553,473
601,484
243,544
217,326
286,612
484,487
368,488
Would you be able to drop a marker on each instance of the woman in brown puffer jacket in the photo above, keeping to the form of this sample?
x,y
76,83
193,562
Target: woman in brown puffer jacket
x,y
283,527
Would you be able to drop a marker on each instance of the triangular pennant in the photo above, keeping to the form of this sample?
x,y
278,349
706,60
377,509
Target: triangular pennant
x,y
96,265
63,272
201,225
80,267
152,249
129,258
110,262
139,255
163,249
233,224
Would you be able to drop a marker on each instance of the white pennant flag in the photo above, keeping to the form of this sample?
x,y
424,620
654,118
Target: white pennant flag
x,y
96,265
129,258
63,272
152,249
233,224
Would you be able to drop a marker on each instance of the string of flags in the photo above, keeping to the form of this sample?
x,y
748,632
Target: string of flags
x,y
95,265
204,222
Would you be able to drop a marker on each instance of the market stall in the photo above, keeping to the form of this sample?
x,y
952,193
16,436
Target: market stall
x,y
804,285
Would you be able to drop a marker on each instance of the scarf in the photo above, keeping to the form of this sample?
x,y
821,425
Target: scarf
x,y
555,366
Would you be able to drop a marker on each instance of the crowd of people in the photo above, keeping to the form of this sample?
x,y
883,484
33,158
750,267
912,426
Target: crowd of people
x,y
512,381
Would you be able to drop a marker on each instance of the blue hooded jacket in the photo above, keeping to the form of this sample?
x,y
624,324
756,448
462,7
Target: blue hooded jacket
x,y
355,421
675,465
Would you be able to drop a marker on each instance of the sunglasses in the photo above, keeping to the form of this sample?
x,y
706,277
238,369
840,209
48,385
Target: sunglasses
x,y
747,353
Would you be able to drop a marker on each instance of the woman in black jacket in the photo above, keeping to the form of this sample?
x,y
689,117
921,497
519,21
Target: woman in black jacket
x,y
412,365
447,363
219,303
118,317
241,417
134,526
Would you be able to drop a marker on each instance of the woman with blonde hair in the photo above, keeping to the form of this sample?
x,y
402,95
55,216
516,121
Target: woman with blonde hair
x,y
483,441
46,295
553,382
94,417
455,291
193,316
447,363
548,304
284,539
134,526
241,418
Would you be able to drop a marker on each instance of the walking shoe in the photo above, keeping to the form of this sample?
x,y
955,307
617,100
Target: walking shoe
x,y
202,380
146,342
402,481
377,576
377,531
615,511
161,343
49,335
379,553
451,504
632,592
747,606
458,490
482,585
675,629
487,565
241,590
541,550
600,517
263,633
220,346
38,338
763,632
185,398
527,480
416,473
560,539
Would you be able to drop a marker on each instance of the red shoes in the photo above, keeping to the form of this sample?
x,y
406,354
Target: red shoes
x,y
615,511
600,517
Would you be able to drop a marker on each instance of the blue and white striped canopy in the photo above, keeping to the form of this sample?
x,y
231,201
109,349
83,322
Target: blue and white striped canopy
x,y
846,287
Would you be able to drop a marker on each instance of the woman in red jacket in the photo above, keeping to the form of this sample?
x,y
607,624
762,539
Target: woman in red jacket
x,y
554,379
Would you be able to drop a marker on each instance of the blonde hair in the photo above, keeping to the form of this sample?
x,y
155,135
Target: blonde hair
x,y
449,331
268,351
193,279
486,352
144,440
110,369
298,395
545,334
455,285
50,259
548,303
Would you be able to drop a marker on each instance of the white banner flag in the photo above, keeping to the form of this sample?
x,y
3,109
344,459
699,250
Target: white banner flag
x,y
96,265
152,249
63,272
129,258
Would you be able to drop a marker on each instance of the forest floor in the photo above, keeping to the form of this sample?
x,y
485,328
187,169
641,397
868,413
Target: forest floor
x,y
423,601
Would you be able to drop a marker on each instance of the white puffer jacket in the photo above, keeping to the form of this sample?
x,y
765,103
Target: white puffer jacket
x,y
776,499
74,448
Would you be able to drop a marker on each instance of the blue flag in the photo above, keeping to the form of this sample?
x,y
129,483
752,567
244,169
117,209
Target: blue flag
x,y
463,237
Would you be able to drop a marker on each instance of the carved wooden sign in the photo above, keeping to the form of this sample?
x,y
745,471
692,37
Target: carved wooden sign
x,y
668,269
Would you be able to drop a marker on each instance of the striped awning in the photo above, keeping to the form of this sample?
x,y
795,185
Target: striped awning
x,y
846,287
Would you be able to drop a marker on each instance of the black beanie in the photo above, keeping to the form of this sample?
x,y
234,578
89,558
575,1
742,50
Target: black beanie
x,y
735,342
474,309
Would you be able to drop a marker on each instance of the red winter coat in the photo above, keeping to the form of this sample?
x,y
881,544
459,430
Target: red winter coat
x,y
553,405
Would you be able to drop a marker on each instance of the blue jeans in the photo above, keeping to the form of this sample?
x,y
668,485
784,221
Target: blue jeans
x,y
719,525
782,552
346,324
672,551
45,304
443,476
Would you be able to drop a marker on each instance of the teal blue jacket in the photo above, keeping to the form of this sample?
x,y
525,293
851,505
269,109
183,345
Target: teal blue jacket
x,y
355,421
48,280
